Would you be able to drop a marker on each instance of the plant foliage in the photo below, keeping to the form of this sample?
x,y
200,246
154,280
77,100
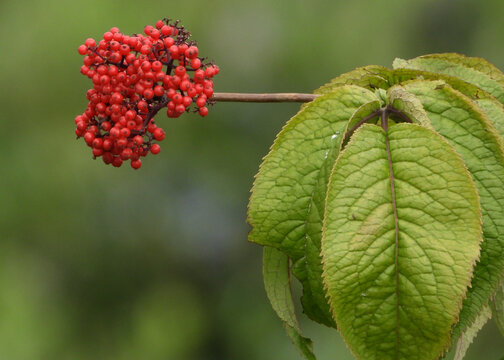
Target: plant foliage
x,y
384,197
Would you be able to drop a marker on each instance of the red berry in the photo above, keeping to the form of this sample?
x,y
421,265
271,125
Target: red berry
x,y
174,51
159,90
117,162
159,134
130,114
155,34
183,47
166,30
191,52
114,45
97,143
126,154
191,92
201,101
208,91
107,144
81,126
90,42
138,140
180,71
176,80
187,101
170,93
82,49
125,132
116,98
177,99
155,149
203,111
196,63
124,49
148,94
108,36
118,37
121,143
199,75
168,42
151,127
209,71
171,113
184,85
157,65
93,129
107,158
145,49
89,137
113,71
148,29
115,132
199,88
106,126
180,108
135,164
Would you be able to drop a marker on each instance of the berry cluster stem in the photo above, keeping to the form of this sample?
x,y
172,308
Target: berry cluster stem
x,y
241,97
154,110
273,97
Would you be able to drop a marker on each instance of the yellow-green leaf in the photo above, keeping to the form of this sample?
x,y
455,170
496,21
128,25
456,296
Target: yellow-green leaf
x,y
278,289
473,136
472,70
401,235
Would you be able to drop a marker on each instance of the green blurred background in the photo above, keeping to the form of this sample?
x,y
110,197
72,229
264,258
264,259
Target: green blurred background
x,y
105,263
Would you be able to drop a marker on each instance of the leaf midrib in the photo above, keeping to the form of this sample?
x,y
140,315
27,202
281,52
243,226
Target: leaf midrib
x,y
384,123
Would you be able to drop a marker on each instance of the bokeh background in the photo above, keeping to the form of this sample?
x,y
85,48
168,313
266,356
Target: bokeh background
x,y
105,263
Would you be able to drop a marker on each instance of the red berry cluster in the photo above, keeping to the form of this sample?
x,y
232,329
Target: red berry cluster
x,y
133,78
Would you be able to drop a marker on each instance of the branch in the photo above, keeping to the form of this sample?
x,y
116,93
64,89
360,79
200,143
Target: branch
x,y
238,97
274,97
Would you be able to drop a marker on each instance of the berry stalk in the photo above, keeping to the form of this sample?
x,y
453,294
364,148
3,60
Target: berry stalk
x,y
242,97
272,97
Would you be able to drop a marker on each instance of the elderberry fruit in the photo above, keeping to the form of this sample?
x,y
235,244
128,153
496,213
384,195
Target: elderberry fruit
x,y
133,78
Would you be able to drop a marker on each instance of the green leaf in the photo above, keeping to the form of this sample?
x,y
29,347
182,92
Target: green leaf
x,y
278,289
473,136
472,70
369,77
489,104
470,333
476,63
401,234
378,77
402,100
401,76
283,188
497,305
494,110
309,268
